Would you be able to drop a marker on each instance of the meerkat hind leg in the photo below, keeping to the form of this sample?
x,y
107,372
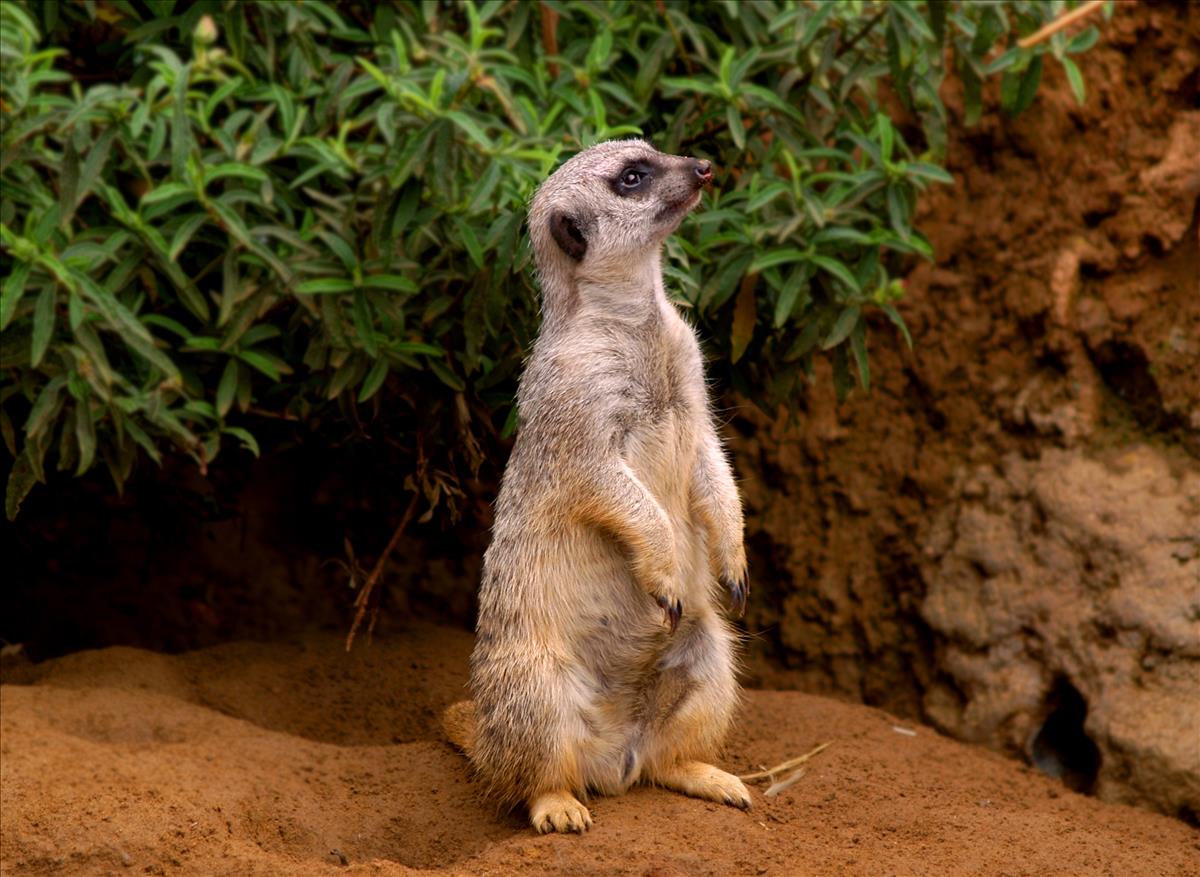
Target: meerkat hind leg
x,y
559,811
700,780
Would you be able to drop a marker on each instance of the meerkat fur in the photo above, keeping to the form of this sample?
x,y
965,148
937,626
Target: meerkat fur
x,y
602,654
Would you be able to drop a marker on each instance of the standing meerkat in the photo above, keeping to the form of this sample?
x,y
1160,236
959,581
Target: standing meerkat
x,y
602,657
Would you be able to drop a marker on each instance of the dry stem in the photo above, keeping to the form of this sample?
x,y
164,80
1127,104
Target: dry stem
x,y
1065,20
785,784
360,603
787,765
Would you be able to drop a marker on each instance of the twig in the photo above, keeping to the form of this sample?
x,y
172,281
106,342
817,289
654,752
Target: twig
x,y
360,602
550,36
785,784
787,765
1065,20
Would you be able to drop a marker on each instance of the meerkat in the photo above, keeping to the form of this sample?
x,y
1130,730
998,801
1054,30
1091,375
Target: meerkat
x,y
602,656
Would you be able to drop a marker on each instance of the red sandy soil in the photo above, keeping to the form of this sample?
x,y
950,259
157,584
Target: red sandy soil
x,y
292,758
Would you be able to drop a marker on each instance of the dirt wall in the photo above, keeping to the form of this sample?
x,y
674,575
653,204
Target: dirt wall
x,y
1004,535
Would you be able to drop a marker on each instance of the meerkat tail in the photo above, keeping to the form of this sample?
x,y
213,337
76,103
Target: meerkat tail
x,y
458,721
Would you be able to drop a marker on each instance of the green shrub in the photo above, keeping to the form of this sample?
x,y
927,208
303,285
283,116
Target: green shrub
x,y
218,212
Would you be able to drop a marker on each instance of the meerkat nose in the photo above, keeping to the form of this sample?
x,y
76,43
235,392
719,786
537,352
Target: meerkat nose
x,y
703,169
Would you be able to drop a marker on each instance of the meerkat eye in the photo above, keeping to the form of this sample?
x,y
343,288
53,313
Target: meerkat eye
x,y
633,178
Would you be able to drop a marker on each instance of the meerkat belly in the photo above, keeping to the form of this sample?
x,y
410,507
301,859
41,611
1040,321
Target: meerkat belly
x,y
662,454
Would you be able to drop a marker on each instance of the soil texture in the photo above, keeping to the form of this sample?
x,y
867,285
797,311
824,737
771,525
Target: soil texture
x,y
295,758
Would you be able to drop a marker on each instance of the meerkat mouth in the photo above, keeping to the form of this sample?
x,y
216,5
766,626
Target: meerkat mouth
x,y
683,205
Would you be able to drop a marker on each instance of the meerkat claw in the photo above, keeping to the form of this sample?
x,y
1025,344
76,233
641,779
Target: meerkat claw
x,y
672,611
740,803
738,592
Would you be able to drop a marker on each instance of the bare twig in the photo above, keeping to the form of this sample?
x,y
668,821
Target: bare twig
x,y
787,765
1065,20
549,36
360,603
785,784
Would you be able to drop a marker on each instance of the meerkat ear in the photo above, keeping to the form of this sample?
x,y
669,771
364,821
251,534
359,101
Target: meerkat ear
x,y
568,235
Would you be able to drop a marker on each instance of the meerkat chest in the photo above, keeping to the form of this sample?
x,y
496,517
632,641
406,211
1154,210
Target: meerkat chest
x,y
667,405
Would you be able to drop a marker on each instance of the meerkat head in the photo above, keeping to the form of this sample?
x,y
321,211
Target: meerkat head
x,y
609,208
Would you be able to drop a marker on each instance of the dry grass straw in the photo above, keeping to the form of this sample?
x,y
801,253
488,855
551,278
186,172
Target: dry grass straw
x,y
771,772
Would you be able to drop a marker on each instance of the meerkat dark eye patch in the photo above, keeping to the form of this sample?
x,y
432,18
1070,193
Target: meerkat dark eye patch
x,y
632,179
569,237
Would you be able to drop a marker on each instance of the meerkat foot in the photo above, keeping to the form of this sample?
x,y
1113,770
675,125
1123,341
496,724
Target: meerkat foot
x,y
699,780
559,811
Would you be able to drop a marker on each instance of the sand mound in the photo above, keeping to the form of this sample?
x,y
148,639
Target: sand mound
x,y
293,758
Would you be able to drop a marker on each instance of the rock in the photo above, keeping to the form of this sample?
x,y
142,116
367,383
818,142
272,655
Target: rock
x,y
1065,591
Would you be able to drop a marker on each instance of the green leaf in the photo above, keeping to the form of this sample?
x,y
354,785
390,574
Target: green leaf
x,y
771,258
766,196
249,442
181,131
1029,85
390,282
85,437
898,321
233,169
165,192
686,84
736,129
470,241
227,389
269,366
415,347
45,408
789,295
470,127
972,95
363,325
858,346
21,479
13,290
842,327
374,380
1083,41
44,319
837,269
887,136
898,212
184,233
1075,78
325,285
447,377
927,171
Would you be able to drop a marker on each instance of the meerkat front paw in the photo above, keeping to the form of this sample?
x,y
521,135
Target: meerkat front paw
x,y
663,585
559,811
672,611
735,578
699,780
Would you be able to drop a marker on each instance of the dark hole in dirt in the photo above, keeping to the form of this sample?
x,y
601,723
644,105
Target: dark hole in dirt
x,y
1153,246
1061,748
1127,373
